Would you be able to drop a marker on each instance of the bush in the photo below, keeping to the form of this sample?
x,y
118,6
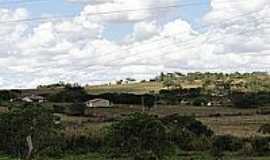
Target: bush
x,y
247,149
187,133
188,123
264,129
226,143
69,94
261,145
140,136
200,101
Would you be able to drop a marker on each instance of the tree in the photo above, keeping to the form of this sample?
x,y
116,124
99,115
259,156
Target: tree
x,y
162,76
184,131
71,93
141,136
168,83
26,131
149,101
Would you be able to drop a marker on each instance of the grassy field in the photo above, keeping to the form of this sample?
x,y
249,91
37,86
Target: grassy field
x,y
137,88
223,120
240,126
237,122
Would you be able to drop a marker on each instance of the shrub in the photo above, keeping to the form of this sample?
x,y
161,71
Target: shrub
x,y
247,149
200,101
244,100
264,129
226,143
187,123
261,145
187,133
140,136
69,94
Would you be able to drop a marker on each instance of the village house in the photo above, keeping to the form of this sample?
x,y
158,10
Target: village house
x,y
98,103
33,98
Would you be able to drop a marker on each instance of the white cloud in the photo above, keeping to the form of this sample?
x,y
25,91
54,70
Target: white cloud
x,y
125,10
76,51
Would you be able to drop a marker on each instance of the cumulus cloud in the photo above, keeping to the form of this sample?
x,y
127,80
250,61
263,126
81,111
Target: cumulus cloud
x,y
76,50
125,10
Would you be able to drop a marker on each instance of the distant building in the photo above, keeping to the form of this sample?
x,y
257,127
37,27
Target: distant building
x,y
96,103
33,98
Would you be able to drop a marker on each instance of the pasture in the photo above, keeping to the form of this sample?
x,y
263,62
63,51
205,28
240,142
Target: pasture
x,y
223,120
136,88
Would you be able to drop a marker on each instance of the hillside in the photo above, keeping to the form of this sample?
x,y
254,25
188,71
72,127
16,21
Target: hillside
x,y
136,88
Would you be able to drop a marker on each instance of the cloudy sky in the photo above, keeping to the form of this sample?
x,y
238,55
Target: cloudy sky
x,y
96,41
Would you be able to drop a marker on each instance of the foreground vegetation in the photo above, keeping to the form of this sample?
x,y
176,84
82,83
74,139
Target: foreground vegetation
x,y
136,136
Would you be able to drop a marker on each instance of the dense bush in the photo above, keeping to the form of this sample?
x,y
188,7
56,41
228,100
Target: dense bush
x,y
7,95
249,100
187,133
226,143
200,101
76,109
243,100
28,121
264,129
69,94
140,136
187,123
261,145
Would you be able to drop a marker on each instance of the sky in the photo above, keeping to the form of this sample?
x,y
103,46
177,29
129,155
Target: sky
x,y
98,41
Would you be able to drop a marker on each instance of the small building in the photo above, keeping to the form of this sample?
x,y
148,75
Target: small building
x,y
33,98
27,99
96,103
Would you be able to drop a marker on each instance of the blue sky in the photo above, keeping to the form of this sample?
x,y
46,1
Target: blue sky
x,y
116,31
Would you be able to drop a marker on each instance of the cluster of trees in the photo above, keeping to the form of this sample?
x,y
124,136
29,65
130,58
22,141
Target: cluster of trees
x,y
71,93
208,75
249,100
7,95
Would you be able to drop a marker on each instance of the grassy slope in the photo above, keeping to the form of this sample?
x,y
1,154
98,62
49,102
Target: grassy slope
x,y
138,88
126,88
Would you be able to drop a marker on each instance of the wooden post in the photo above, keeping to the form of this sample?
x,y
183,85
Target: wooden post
x,y
30,146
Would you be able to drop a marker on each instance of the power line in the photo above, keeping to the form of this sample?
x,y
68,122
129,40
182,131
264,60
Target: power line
x,y
114,12
21,2
227,21
103,13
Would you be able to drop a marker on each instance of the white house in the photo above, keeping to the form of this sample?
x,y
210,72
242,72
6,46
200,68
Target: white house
x,y
27,99
95,103
34,98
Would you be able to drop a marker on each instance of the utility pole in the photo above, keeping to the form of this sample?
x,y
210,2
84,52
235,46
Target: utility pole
x,y
142,101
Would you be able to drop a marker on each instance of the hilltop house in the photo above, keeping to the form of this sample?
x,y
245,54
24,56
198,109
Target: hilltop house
x,y
98,103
